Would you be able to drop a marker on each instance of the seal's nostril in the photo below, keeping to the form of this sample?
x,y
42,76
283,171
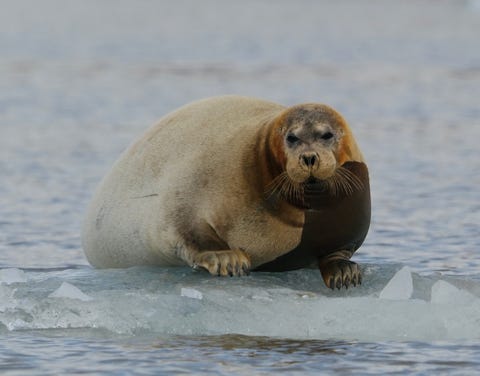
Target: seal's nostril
x,y
309,159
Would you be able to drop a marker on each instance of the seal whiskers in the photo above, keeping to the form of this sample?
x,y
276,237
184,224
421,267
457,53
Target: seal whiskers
x,y
344,182
284,187
276,185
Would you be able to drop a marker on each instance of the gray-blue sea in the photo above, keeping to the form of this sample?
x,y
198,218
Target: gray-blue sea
x,y
80,80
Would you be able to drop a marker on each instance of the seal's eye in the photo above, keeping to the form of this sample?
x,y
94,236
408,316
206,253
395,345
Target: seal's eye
x,y
292,139
327,136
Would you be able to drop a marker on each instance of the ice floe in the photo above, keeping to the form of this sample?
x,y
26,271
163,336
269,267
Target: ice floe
x,y
393,303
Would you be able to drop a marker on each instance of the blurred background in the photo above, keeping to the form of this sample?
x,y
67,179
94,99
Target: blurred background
x,y
80,80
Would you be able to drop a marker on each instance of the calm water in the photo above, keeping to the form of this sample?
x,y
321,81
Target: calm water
x,y
78,83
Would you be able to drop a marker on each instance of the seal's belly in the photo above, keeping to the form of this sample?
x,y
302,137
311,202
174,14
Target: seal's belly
x,y
332,223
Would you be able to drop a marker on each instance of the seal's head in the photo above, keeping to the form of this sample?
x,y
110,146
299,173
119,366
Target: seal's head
x,y
313,142
311,135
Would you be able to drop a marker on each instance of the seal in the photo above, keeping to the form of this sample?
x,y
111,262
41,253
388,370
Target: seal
x,y
234,184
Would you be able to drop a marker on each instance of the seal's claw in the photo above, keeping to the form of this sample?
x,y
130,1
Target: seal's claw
x,y
233,262
354,280
338,271
338,282
346,281
331,283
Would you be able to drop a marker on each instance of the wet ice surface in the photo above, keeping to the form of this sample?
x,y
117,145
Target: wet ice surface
x,y
12,275
296,305
180,320
78,84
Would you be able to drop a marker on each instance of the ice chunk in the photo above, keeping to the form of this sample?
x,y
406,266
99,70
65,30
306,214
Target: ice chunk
x,y
7,299
445,293
12,275
66,290
400,287
16,324
191,293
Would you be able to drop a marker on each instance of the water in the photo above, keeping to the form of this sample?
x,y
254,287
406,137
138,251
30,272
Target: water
x,y
78,83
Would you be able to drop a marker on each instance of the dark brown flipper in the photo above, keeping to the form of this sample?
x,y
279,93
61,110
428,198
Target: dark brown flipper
x,y
332,224
338,271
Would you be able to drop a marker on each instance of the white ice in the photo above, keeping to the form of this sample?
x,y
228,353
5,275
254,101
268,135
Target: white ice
x,y
445,293
295,304
191,293
7,299
400,287
67,290
12,275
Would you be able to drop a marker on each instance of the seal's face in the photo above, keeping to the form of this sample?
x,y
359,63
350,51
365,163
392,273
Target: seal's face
x,y
312,145
310,150
311,137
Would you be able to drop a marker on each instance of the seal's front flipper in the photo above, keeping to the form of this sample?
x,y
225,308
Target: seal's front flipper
x,y
233,262
338,271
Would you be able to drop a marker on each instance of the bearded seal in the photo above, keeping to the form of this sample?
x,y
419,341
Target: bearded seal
x,y
232,184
